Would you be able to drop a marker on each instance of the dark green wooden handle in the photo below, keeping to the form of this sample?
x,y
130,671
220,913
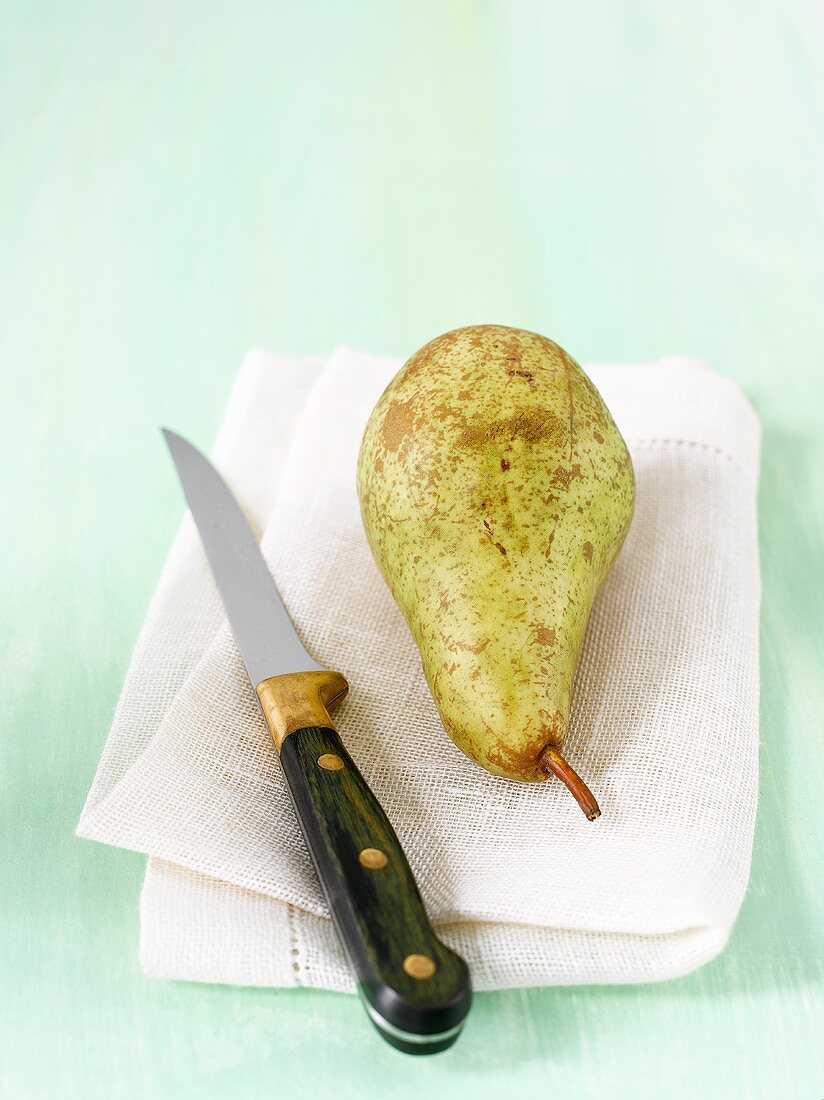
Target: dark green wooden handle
x,y
417,992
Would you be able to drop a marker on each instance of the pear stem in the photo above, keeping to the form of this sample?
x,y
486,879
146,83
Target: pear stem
x,y
553,762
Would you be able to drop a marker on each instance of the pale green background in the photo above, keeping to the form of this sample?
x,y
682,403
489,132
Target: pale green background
x,y
181,181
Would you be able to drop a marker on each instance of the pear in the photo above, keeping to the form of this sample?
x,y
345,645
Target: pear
x,y
496,492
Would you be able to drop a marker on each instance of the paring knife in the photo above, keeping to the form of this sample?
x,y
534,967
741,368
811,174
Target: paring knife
x,y
416,991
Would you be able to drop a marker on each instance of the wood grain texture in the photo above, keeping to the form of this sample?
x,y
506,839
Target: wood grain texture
x,y
180,182
412,980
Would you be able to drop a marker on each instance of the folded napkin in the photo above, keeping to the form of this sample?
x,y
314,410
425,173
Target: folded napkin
x,y
664,728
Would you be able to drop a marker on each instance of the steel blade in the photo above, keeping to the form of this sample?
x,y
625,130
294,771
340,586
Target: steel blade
x,y
263,630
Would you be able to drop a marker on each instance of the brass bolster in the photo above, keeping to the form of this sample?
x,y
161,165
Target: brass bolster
x,y
299,699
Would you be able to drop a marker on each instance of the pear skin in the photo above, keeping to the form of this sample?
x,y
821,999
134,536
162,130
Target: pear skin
x,y
496,492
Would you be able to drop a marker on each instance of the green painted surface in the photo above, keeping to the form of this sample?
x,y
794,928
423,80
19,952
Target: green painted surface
x,y
181,181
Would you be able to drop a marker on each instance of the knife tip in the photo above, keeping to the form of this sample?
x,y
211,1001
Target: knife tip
x,y
170,437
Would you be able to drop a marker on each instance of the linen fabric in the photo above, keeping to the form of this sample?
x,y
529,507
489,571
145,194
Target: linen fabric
x,y
664,726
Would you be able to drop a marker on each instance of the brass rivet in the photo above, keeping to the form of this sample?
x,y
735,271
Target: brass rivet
x,y
419,966
331,761
373,858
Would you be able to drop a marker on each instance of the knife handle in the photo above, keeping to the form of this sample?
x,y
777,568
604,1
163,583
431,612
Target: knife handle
x,y
416,990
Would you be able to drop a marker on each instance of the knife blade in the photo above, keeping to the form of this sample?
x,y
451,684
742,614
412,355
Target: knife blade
x,y
416,991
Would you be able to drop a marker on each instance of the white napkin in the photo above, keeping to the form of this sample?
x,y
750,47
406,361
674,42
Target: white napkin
x,y
665,722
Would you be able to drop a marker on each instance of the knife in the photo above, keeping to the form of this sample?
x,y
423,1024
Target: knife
x,y
416,991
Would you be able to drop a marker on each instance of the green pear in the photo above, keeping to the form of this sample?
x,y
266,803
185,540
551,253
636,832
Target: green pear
x,y
496,492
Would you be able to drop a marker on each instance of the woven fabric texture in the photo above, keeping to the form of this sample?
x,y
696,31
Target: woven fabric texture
x,y
665,715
